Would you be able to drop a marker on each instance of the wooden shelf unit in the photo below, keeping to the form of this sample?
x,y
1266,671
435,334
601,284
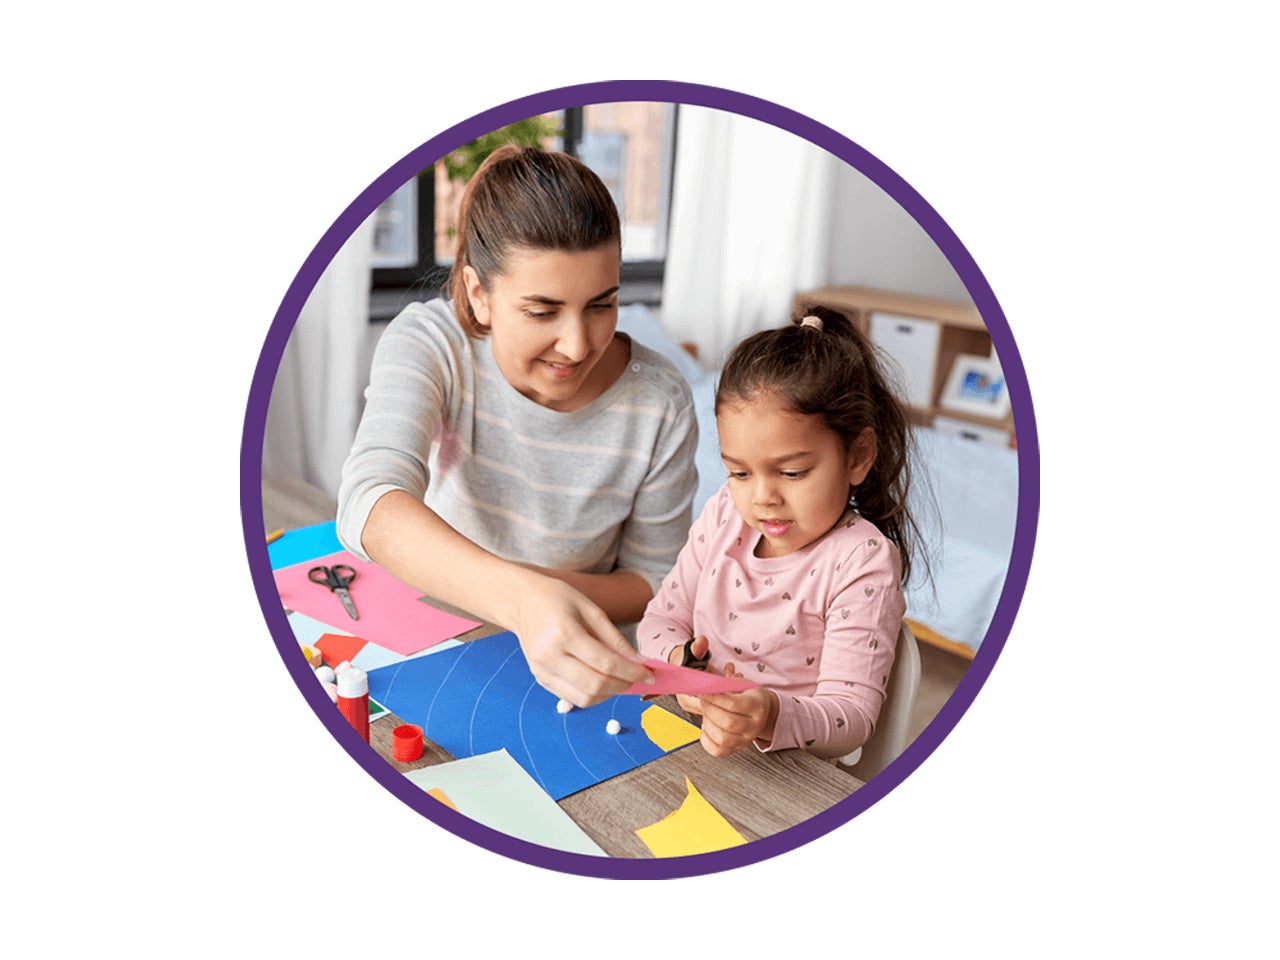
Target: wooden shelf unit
x,y
960,330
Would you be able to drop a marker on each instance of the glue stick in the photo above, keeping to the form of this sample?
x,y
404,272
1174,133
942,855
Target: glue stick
x,y
353,698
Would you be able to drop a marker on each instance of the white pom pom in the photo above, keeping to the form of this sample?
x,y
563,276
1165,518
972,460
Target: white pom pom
x,y
325,673
564,706
613,727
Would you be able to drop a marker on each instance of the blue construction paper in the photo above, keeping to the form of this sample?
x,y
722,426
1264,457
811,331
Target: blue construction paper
x,y
480,697
303,544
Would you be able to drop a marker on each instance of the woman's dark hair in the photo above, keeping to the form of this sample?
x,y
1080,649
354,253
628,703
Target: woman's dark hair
x,y
526,198
834,371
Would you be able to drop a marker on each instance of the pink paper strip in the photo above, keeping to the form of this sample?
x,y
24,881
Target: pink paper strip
x,y
392,614
669,678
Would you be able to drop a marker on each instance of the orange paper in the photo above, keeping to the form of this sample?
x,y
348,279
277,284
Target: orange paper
x,y
336,647
442,797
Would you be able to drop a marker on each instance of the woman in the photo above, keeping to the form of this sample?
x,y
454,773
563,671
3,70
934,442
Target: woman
x,y
516,457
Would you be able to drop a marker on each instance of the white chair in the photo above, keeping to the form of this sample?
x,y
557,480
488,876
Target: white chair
x,y
893,728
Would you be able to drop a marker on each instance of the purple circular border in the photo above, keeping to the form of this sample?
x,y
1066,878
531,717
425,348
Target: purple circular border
x,y
836,144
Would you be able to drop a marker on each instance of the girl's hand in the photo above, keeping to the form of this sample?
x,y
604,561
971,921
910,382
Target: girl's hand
x,y
731,721
573,649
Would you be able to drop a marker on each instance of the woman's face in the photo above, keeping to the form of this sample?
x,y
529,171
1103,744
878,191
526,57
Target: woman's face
x,y
551,317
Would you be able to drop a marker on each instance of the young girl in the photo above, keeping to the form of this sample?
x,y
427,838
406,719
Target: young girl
x,y
516,458
792,576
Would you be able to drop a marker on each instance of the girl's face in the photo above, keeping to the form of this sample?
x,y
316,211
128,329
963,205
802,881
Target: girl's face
x,y
551,318
789,475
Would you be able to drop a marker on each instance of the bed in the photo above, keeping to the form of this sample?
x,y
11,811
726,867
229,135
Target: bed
x,y
964,498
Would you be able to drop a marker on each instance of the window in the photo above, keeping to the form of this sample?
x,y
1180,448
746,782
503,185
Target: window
x,y
630,145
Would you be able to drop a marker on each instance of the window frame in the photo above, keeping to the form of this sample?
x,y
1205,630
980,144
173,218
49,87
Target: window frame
x,y
394,287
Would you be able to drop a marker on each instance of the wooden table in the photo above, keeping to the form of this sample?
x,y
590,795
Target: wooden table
x,y
759,793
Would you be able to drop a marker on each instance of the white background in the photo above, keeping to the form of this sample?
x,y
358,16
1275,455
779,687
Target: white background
x,y
1110,167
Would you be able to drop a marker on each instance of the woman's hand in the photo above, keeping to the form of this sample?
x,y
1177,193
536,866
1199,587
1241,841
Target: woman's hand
x,y
573,649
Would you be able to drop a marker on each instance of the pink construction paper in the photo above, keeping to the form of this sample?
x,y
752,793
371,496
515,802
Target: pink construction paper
x,y
669,678
392,614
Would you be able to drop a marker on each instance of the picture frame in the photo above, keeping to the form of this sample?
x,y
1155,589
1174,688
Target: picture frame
x,y
976,385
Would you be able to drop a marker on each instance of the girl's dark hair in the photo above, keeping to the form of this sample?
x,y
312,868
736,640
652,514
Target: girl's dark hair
x,y
835,372
526,198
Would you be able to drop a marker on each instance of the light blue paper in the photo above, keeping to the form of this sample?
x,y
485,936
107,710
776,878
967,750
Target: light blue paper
x,y
303,544
308,630
493,790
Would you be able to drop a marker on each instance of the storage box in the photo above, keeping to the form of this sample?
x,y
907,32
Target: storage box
x,y
912,343
972,431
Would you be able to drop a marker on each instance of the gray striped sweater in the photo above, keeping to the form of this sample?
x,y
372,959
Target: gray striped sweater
x,y
607,487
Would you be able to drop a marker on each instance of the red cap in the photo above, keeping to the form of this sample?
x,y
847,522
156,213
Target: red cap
x,y
406,742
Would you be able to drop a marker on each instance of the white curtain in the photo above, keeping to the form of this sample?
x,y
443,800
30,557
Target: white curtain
x,y
316,401
751,222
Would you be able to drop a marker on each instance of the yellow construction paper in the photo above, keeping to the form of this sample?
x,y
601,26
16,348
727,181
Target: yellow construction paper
x,y
666,730
696,827
440,795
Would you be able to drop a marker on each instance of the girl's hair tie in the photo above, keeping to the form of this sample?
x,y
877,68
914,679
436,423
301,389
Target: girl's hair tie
x,y
812,321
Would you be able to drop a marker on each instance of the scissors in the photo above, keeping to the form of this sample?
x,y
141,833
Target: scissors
x,y
337,578
687,659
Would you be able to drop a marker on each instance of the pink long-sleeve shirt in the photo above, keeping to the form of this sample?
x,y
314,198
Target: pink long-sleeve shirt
x,y
818,626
